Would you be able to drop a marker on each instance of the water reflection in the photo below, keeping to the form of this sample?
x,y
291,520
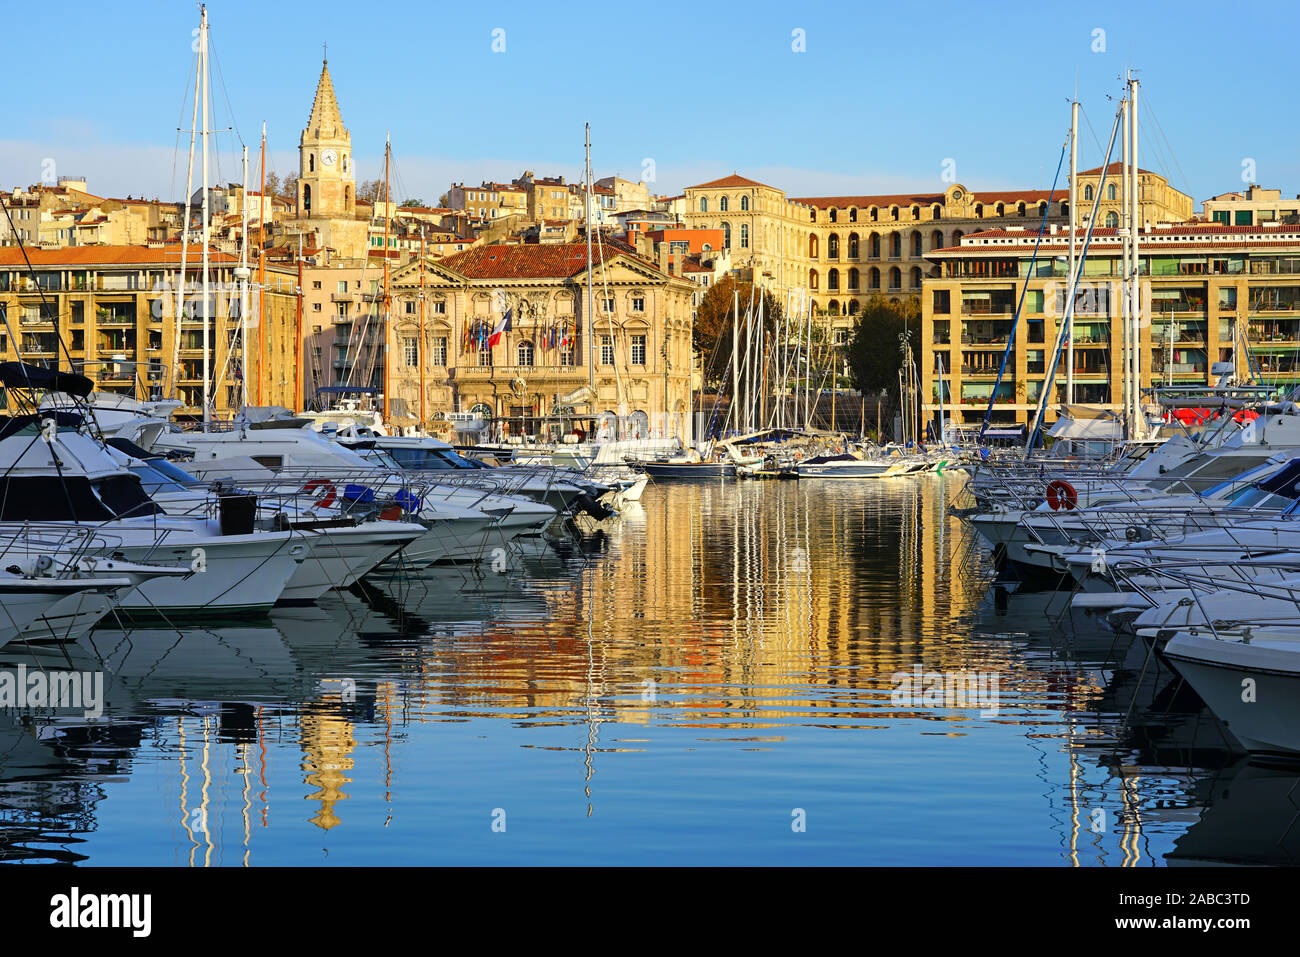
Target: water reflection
x,y
668,688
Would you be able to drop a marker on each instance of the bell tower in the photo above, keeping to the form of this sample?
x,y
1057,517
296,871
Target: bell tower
x,y
326,181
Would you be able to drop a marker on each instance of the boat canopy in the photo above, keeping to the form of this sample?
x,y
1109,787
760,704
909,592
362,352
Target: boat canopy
x,y
23,375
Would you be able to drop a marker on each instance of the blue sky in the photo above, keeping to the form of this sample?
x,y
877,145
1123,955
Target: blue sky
x,y
877,102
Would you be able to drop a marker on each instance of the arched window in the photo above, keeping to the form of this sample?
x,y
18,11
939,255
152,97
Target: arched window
x,y
853,307
833,246
833,307
936,239
916,212
895,278
723,205
1111,191
744,204
744,235
1065,211
1112,219
916,243
853,245
1020,209
916,278
874,278
833,215
875,214
525,354
956,237
853,280
936,211
874,246
311,162
812,245
1087,192
704,204
895,245
347,196
726,235
979,210
306,198
893,212
833,280
1000,209
853,215
812,279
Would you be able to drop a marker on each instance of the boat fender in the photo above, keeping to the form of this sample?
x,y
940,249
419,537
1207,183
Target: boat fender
x,y
1061,495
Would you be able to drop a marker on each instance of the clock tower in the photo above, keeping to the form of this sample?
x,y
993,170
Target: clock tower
x,y
326,182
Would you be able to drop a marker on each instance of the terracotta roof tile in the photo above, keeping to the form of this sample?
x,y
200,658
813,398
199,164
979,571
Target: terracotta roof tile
x,y
729,182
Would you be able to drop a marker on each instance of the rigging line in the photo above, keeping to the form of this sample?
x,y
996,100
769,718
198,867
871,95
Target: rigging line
x,y
230,110
1015,322
1049,381
1091,132
45,305
185,99
1146,102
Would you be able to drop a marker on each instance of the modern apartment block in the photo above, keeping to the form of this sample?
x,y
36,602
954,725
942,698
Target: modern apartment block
x,y
1209,292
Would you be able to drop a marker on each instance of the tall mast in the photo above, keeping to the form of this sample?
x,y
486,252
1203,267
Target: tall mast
x,y
261,277
1070,281
419,353
591,315
735,357
243,294
388,147
1126,232
297,334
185,241
1135,301
203,83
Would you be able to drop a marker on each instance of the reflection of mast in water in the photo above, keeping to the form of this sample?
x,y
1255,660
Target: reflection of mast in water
x,y
245,771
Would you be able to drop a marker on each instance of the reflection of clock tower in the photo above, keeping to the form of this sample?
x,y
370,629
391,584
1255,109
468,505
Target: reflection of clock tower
x,y
326,183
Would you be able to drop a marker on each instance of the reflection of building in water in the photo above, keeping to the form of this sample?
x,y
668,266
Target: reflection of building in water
x,y
327,743
754,588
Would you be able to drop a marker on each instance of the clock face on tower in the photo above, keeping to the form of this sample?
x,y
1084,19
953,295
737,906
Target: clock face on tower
x,y
329,157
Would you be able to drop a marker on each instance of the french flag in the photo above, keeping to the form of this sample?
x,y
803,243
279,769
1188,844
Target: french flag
x,y
501,329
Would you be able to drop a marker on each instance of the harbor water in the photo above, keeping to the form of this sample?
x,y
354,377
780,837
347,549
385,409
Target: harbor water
x,y
729,673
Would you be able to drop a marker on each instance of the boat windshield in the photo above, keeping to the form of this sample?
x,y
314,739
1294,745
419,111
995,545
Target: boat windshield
x,y
155,480
428,459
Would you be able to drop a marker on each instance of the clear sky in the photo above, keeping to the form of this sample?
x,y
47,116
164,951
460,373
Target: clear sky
x,y
878,100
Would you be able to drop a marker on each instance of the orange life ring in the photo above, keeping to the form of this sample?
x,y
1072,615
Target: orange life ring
x,y
1061,495
331,493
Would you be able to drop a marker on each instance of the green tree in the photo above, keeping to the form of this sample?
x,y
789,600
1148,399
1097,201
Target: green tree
x,y
714,318
875,353
408,203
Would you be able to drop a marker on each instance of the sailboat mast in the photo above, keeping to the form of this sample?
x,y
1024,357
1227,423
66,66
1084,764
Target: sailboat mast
x,y
243,294
1069,281
261,277
591,315
1126,232
203,84
185,241
420,351
1135,301
735,357
388,147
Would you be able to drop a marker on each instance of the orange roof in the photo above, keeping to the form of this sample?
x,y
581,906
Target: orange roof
x,y
893,199
80,256
1114,169
558,261
728,182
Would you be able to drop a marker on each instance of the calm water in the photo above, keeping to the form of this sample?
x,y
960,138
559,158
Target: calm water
x,y
708,680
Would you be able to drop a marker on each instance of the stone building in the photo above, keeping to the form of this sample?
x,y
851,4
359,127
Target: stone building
x,y
640,367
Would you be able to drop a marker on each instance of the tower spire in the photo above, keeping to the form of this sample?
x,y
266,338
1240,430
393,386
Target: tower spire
x,y
325,122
